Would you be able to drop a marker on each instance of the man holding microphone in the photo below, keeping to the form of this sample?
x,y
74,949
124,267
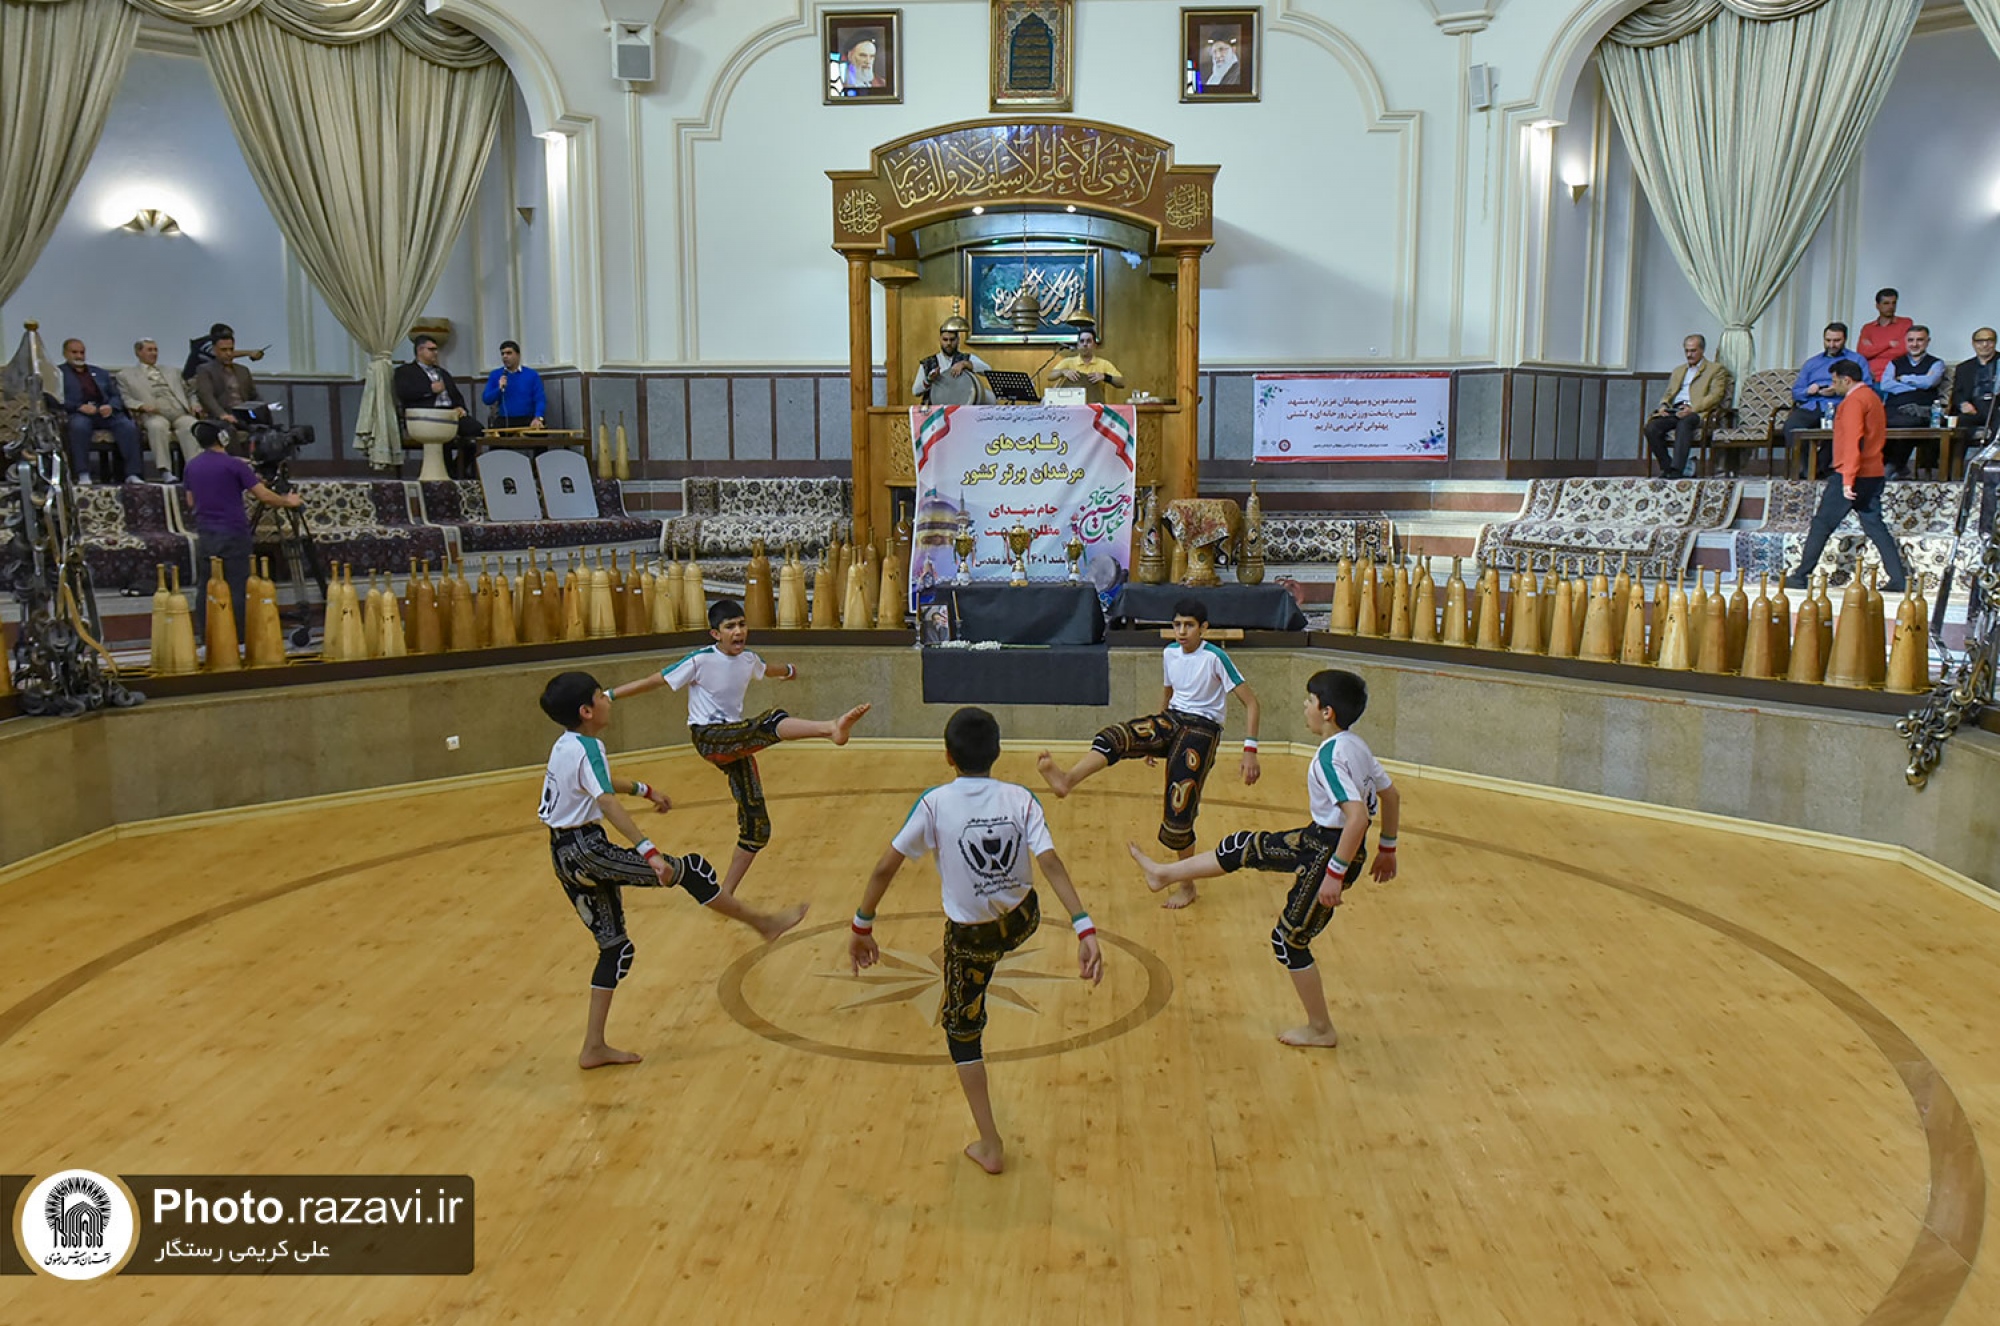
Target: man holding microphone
x,y
514,394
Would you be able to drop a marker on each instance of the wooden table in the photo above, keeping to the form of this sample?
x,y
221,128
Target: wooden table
x,y
534,441
1810,438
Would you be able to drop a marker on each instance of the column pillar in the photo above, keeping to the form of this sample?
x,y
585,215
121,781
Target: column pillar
x,y
860,388
1180,467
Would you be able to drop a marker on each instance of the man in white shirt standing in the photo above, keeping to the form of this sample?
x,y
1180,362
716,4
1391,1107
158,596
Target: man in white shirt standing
x,y
1199,678
160,402
983,833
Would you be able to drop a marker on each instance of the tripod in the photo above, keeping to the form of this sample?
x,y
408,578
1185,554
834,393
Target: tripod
x,y
287,527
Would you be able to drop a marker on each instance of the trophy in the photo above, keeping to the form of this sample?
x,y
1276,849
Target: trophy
x,y
961,546
1018,541
1074,551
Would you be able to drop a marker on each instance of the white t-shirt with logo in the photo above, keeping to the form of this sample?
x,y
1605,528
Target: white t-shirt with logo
x,y
578,774
715,683
1343,769
1202,679
986,834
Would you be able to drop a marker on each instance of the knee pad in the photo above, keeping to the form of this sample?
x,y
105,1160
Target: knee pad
x,y
1105,743
698,877
1229,855
614,964
1295,957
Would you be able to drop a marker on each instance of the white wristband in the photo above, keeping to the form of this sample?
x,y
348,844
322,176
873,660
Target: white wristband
x,y
646,849
1249,745
1082,924
641,788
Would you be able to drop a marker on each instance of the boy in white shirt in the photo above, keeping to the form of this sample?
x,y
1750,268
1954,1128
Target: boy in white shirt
x,y
1199,680
716,679
578,793
983,832
1344,785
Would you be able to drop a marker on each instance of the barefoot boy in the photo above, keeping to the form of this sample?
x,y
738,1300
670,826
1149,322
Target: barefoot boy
x,y
1199,680
577,793
983,832
716,679
1343,785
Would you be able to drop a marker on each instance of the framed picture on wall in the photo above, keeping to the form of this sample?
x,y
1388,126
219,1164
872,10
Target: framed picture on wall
x,y
1032,54
1065,280
863,56
1221,50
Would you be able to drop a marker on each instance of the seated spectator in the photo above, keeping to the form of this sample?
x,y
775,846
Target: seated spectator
x,y
424,384
223,387
1972,386
1883,339
92,401
1813,396
1696,387
1910,385
514,395
161,404
201,350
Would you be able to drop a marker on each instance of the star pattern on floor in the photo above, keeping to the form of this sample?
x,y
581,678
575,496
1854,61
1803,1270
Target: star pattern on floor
x,y
903,977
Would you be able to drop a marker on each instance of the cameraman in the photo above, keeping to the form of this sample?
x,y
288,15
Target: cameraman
x,y
222,386
214,485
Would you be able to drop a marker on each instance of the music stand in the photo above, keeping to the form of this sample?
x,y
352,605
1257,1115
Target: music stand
x,y
1013,388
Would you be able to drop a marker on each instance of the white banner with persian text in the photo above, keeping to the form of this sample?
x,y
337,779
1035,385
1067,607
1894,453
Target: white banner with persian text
x,y
1353,416
1060,472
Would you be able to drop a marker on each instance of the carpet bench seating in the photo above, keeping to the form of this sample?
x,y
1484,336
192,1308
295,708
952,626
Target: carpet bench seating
x,y
363,523
720,516
127,530
1919,516
1324,540
1653,523
458,508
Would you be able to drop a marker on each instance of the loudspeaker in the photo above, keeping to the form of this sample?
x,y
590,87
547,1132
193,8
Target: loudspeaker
x,y
1479,86
632,52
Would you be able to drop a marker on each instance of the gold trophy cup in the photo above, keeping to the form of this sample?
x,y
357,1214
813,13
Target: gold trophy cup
x,y
1074,551
1018,541
961,547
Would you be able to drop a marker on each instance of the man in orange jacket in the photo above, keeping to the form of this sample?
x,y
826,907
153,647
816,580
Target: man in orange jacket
x,y
1860,426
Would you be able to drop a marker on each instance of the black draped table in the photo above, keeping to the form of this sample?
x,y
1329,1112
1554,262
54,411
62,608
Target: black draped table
x,y
1048,613
1054,674
1244,607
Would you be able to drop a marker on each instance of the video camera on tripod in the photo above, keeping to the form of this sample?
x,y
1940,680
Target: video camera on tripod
x,y
270,444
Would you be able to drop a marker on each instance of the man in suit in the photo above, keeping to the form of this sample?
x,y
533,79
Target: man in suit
x,y
223,387
159,401
1973,386
1698,386
424,384
91,401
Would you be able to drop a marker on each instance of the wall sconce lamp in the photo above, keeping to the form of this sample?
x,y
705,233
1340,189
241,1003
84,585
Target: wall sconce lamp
x,y
1578,181
151,221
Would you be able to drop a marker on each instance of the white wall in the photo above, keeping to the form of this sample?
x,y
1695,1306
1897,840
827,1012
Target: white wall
x,y
167,143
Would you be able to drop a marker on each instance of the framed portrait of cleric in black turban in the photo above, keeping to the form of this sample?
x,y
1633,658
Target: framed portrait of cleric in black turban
x,y
1221,50
862,56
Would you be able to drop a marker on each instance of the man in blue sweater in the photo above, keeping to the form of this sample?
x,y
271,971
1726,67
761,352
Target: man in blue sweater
x,y
514,394
1813,396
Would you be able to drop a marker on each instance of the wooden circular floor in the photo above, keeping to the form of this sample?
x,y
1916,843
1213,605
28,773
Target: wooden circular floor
x,y
1596,1068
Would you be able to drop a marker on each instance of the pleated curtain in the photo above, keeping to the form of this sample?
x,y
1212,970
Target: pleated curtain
x,y
1742,128
1986,13
366,124
61,62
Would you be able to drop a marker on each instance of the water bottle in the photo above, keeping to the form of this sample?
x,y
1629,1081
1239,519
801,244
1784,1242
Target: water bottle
x,y
1826,412
1937,414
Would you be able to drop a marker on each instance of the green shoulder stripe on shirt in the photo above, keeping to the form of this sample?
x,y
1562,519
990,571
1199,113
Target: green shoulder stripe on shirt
x,y
1333,783
594,749
1235,677
685,657
913,811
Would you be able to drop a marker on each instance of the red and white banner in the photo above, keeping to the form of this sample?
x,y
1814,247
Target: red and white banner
x,y
1055,470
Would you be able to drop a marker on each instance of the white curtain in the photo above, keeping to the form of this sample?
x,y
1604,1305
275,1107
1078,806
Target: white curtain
x,y
368,155
1986,13
60,65
1742,130
1669,20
